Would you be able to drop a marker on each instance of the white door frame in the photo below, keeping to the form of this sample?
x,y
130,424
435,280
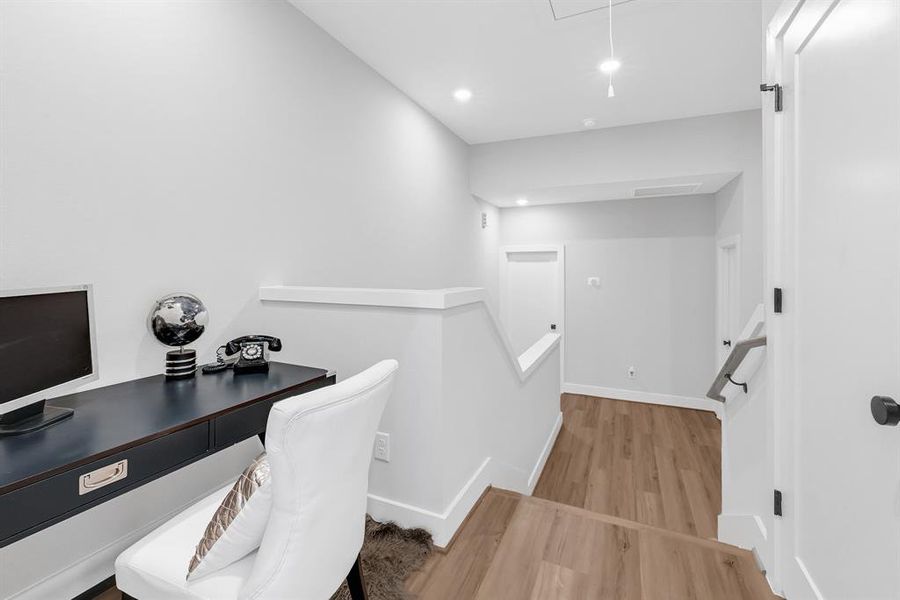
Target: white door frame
x,y
781,218
781,240
732,296
503,271
773,217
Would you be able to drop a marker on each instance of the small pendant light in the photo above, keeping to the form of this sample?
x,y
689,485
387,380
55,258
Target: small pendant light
x,y
610,65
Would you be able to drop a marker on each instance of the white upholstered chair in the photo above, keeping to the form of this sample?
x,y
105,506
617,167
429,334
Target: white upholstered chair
x,y
319,446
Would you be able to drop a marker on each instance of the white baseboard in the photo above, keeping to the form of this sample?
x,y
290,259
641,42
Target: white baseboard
x,y
406,515
443,525
744,531
749,532
812,590
645,397
545,454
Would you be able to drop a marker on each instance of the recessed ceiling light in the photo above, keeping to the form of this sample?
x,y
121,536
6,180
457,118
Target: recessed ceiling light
x,y
462,95
589,122
521,200
610,65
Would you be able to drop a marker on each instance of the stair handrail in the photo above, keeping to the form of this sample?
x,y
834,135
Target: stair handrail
x,y
735,358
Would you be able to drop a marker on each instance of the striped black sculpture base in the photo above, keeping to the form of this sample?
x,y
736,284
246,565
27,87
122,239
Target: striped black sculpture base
x,y
181,364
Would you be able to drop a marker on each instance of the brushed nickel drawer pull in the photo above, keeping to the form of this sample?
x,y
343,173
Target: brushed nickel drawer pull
x,y
102,476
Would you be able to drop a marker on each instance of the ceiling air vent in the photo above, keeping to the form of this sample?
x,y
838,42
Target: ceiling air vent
x,y
677,189
564,9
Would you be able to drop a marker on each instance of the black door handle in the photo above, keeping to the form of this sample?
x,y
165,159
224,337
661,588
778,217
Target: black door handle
x,y
885,411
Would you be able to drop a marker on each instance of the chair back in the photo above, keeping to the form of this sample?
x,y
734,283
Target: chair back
x,y
319,446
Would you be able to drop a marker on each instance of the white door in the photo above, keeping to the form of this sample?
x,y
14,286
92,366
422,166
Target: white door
x,y
728,295
836,203
531,282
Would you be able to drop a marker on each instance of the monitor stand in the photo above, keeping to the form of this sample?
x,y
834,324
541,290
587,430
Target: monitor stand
x,y
31,418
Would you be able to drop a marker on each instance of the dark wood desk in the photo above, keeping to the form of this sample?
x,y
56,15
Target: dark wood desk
x,y
157,426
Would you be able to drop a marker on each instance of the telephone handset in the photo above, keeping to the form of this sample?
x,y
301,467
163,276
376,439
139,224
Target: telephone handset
x,y
235,345
246,354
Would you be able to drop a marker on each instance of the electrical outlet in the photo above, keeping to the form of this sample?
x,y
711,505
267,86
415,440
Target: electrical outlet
x,y
383,446
631,372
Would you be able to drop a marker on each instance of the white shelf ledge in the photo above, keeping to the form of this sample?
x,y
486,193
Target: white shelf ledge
x,y
533,356
437,299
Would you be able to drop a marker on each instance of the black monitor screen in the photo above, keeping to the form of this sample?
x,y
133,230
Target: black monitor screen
x,y
45,340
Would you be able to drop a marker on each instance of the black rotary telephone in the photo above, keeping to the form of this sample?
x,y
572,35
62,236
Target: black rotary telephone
x,y
246,354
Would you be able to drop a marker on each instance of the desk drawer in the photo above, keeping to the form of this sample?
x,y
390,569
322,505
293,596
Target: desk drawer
x,y
241,424
34,504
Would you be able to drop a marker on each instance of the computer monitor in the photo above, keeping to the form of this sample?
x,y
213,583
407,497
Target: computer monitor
x,y
47,347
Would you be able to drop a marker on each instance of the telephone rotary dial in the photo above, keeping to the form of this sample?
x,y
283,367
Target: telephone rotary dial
x,y
247,354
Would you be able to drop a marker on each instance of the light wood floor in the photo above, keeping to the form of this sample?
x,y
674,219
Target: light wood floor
x,y
522,548
657,465
625,509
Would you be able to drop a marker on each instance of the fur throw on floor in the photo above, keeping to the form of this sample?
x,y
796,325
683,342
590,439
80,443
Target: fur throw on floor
x,y
390,554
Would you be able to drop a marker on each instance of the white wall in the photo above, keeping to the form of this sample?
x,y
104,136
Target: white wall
x,y
518,417
654,308
351,338
726,143
236,131
460,417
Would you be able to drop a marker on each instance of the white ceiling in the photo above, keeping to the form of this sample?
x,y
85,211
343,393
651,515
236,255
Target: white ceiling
x,y
532,63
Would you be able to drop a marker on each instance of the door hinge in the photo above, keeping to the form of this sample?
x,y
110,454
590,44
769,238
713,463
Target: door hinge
x,y
778,512
775,87
776,300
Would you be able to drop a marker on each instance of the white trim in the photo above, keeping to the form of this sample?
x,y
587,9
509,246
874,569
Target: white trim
x,y
436,299
748,531
443,525
518,248
538,358
439,299
545,454
783,18
806,578
792,28
645,397
533,356
384,509
742,530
